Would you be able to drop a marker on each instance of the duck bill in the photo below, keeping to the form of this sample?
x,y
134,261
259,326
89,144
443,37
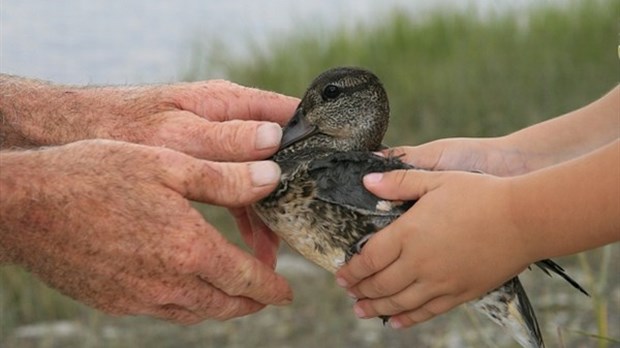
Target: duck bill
x,y
298,128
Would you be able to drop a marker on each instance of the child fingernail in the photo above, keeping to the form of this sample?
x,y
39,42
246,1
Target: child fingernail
x,y
359,312
342,282
395,324
373,178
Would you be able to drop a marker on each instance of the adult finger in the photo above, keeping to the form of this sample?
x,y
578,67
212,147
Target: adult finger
x,y
402,184
232,141
221,100
219,183
266,242
191,300
174,313
379,252
240,215
257,235
207,301
236,273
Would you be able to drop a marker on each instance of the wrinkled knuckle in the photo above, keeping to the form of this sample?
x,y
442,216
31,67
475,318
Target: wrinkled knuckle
x,y
232,137
225,314
161,294
162,156
222,311
243,279
241,186
231,307
218,178
152,295
234,311
179,315
233,278
207,302
189,319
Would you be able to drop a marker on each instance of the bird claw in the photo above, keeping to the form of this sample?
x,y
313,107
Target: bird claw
x,y
360,243
356,248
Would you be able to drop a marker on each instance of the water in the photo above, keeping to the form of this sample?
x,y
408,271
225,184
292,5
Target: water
x,y
142,41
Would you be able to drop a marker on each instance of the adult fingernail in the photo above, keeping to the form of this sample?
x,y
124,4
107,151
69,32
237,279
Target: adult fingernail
x,y
373,178
264,173
268,135
341,282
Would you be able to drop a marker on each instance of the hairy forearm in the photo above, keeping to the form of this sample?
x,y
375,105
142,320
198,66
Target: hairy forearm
x,y
18,193
36,113
41,191
570,207
567,136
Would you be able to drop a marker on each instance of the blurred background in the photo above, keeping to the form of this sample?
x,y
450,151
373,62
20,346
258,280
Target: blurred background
x,y
450,67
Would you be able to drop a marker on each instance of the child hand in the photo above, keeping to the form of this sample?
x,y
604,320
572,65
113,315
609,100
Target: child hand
x,y
454,245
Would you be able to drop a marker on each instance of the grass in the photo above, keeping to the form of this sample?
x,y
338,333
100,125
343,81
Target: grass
x,y
454,73
447,74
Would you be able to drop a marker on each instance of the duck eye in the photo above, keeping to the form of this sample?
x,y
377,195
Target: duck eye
x,y
331,92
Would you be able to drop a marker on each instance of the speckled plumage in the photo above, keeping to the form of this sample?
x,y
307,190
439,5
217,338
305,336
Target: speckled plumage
x,y
320,211
321,208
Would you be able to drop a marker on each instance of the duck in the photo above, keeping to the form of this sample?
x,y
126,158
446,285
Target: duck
x,y
321,208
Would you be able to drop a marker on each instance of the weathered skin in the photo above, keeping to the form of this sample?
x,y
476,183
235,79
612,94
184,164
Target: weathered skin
x,y
94,190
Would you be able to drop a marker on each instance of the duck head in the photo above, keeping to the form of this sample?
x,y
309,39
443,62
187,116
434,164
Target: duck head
x,y
344,109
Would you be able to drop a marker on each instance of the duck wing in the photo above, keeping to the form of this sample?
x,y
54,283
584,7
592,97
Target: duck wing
x,y
338,179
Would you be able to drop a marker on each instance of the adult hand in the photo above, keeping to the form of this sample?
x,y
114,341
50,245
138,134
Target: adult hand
x,y
422,264
215,120
202,119
109,223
